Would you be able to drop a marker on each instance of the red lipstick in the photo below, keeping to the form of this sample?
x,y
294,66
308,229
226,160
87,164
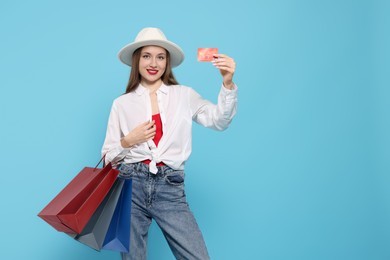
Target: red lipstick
x,y
152,71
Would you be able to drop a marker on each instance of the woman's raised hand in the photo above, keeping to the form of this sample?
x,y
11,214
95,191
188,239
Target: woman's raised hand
x,y
226,66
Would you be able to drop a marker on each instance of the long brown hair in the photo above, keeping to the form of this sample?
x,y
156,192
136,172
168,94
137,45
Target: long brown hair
x,y
135,77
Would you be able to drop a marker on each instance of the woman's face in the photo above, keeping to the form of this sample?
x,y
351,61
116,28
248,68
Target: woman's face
x,y
152,64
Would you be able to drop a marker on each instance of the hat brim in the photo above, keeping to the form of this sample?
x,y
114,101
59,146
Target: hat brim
x,y
176,53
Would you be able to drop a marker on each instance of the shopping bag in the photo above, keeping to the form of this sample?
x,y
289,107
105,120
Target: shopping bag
x,y
95,231
118,233
72,208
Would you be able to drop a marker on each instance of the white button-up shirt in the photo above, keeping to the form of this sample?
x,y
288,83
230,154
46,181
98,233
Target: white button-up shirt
x,y
179,106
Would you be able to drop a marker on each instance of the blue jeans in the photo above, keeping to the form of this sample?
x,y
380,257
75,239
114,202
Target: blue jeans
x,y
162,197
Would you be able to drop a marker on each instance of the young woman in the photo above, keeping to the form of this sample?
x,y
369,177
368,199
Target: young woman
x,y
149,137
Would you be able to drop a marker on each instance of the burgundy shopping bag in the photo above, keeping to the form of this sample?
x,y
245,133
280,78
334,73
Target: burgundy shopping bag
x,y
71,209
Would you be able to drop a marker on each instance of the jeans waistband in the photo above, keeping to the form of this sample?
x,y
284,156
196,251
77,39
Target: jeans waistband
x,y
142,167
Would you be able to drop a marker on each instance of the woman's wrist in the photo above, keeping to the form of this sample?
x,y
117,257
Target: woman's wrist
x,y
125,143
228,84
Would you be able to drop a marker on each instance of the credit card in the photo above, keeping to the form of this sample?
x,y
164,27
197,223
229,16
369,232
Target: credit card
x,y
206,54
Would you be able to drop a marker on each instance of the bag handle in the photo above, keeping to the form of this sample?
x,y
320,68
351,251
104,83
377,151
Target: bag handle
x,y
102,159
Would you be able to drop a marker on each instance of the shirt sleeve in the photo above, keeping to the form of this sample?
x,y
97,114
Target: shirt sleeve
x,y
112,148
216,116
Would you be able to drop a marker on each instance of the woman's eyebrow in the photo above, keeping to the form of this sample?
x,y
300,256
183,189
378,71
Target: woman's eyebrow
x,y
161,53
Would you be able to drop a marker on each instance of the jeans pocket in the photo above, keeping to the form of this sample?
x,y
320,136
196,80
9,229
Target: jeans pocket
x,y
174,177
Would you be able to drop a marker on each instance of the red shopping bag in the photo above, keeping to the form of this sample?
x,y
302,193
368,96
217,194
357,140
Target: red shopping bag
x,y
71,209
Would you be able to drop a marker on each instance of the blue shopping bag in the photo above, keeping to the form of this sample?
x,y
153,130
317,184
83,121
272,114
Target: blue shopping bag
x,y
118,234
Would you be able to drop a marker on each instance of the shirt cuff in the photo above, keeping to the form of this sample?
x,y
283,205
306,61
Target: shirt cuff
x,y
116,154
229,94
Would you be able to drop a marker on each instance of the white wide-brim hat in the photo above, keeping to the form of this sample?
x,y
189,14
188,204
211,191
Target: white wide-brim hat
x,y
151,36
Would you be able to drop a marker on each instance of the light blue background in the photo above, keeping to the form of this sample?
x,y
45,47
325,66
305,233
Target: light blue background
x,y
303,171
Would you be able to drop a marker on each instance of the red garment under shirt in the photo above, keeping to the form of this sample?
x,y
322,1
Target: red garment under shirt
x,y
157,137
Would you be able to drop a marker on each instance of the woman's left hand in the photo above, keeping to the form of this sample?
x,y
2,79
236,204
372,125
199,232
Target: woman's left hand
x,y
226,66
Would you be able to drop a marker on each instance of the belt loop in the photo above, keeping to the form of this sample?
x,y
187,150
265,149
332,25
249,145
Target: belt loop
x,y
136,167
141,167
163,170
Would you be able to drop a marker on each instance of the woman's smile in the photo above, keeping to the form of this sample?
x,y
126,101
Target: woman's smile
x,y
152,71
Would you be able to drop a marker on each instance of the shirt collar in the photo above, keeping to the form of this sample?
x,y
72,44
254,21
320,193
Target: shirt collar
x,y
140,90
163,89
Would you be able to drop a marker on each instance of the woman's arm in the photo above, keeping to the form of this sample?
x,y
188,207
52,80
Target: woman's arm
x,y
112,148
217,116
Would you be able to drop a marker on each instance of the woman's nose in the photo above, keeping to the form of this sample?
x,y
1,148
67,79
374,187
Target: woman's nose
x,y
153,62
